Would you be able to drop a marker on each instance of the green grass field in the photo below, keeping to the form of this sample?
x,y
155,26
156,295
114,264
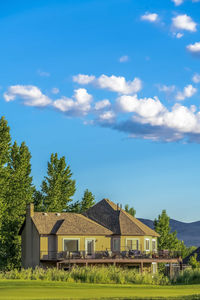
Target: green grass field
x,y
14,289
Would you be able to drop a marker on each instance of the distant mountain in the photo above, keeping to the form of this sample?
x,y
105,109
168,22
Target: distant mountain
x,y
188,232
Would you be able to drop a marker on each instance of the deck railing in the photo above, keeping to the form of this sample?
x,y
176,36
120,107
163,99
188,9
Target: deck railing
x,y
108,254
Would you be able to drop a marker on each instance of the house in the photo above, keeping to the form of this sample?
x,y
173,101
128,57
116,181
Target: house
x,y
105,233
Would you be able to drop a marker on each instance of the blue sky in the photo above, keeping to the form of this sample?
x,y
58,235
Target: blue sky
x,y
114,85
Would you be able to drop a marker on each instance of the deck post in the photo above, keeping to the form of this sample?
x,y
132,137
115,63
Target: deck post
x,y
170,270
57,265
141,267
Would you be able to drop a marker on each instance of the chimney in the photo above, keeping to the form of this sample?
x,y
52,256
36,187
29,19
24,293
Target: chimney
x,y
30,210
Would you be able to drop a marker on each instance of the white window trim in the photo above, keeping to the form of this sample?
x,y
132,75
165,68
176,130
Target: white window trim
x,y
133,239
153,240
72,239
89,239
119,243
149,245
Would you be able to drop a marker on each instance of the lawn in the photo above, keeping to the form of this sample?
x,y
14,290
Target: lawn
x,y
17,289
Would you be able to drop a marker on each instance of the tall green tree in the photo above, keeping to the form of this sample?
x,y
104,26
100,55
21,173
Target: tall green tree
x,y
58,186
167,240
5,147
130,210
88,200
19,194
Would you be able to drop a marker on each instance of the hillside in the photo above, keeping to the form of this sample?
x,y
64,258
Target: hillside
x,y
188,232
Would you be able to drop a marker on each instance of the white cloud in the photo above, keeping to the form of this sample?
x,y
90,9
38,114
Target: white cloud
x,y
151,111
55,91
194,48
112,83
184,22
177,2
123,58
151,17
119,84
102,104
187,92
78,105
107,116
83,79
179,35
166,88
29,94
43,73
196,78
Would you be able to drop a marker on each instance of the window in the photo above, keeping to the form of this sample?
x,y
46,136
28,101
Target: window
x,y
153,245
132,244
116,244
147,245
70,244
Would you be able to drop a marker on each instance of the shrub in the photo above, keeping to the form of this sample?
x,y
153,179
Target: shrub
x,y
188,276
93,274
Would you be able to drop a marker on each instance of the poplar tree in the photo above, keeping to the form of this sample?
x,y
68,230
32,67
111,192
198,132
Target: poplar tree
x,y
88,200
58,186
18,195
130,210
5,146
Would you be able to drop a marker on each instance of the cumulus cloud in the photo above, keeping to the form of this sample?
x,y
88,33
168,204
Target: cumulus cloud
x,y
30,95
150,17
187,92
194,48
184,22
78,105
196,78
151,119
177,2
106,117
112,83
102,104
83,79
123,59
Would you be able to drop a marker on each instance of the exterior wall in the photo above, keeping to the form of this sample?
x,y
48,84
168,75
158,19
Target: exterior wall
x,y
101,242
30,241
141,242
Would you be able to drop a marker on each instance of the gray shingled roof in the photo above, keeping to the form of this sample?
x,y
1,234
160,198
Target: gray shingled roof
x,y
67,223
117,220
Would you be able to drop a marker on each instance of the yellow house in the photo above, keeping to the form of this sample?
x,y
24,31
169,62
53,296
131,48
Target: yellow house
x,y
99,235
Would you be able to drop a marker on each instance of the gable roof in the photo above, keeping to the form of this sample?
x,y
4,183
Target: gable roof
x,y
118,220
67,223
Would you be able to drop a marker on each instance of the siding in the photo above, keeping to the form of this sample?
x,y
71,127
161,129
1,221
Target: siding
x,y
101,242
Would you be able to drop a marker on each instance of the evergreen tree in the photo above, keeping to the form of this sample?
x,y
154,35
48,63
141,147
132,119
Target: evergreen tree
x,y
167,240
130,210
5,146
38,201
88,200
58,187
75,207
18,195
